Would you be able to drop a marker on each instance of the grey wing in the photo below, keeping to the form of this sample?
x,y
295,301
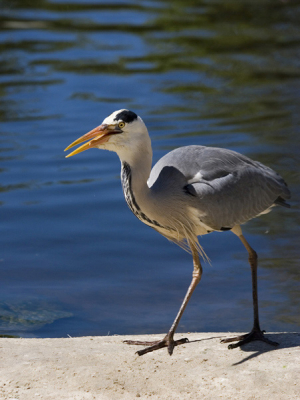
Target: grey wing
x,y
225,187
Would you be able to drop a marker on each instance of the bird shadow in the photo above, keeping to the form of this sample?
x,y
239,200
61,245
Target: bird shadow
x,y
257,348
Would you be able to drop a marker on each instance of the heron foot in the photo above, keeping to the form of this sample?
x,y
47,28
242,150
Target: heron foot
x,y
167,341
255,334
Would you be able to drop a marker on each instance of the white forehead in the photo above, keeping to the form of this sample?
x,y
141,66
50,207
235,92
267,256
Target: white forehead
x,y
112,117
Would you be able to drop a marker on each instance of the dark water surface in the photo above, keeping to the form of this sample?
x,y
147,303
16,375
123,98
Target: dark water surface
x,y
74,260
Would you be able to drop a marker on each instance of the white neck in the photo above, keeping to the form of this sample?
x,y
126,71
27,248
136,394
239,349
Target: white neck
x,y
140,162
136,168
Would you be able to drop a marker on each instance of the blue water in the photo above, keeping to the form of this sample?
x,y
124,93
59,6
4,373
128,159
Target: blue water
x,y
74,260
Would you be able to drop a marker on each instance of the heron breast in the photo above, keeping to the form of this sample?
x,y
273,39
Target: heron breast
x,y
131,201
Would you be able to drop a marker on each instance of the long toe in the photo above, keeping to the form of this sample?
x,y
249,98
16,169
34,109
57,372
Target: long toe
x,y
167,341
141,343
255,334
234,339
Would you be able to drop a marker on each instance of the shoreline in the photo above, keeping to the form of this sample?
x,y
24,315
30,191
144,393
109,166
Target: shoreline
x,y
84,368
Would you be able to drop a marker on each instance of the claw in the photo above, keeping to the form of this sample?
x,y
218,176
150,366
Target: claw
x,y
255,334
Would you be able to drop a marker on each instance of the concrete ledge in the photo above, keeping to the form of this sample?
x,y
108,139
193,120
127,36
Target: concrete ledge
x,y
106,368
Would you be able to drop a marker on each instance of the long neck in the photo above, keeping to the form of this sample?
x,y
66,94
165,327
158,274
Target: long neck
x,y
136,167
135,172
132,196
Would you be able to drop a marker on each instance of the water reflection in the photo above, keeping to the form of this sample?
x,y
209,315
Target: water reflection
x,y
211,73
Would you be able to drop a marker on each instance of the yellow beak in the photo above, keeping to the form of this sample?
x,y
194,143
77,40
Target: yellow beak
x,y
96,136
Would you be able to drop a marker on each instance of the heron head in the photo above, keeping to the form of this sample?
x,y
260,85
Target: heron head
x,y
120,130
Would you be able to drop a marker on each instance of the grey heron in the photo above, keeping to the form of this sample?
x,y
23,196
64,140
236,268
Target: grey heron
x,y
191,191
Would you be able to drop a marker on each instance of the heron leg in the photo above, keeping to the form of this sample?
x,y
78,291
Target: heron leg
x,y
256,333
168,340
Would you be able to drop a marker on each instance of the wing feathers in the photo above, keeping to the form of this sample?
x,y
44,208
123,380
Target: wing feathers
x,y
225,187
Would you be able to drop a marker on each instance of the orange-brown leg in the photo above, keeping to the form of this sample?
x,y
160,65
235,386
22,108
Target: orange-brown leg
x,y
168,340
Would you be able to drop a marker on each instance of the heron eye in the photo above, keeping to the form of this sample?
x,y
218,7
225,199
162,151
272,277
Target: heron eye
x,y
121,124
